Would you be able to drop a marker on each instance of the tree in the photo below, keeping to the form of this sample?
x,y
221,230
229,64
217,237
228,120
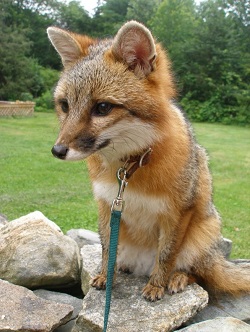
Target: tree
x,y
239,9
108,17
33,17
142,10
16,69
217,77
20,72
208,45
174,24
74,17
38,6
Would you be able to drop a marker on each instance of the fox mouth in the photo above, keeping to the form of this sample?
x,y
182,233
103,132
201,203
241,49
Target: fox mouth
x,y
64,152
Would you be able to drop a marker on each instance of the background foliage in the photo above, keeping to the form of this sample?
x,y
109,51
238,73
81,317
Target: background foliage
x,y
207,43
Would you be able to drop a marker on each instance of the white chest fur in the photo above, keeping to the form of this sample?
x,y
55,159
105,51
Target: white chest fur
x,y
138,206
140,215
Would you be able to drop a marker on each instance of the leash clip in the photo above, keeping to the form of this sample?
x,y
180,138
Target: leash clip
x,y
118,203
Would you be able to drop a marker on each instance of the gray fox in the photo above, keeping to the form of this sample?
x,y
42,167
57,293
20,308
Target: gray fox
x,y
114,101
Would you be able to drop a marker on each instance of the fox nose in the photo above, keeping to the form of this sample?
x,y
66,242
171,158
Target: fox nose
x,y
59,151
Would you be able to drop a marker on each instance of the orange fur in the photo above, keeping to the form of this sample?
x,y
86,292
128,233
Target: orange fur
x,y
113,102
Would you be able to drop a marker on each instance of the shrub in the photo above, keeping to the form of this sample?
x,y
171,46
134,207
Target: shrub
x,y
213,111
26,96
49,77
44,103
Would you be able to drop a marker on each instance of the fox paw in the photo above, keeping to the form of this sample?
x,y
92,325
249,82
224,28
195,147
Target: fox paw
x,y
177,282
153,293
99,282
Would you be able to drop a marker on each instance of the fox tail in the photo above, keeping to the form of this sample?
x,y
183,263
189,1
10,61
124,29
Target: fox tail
x,y
227,276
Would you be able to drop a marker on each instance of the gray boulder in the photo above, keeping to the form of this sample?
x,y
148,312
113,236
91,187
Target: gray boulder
x,y
129,310
35,253
22,311
91,263
62,298
3,220
225,306
222,324
225,246
83,237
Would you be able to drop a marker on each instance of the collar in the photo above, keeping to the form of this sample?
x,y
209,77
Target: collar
x,y
136,161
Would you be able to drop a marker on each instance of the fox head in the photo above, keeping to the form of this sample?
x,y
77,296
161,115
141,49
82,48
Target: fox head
x,y
110,95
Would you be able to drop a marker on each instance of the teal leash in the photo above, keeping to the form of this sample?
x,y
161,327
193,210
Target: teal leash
x,y
114,224
116,212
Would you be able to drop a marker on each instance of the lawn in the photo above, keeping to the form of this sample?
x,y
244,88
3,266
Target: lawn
x,y
31,179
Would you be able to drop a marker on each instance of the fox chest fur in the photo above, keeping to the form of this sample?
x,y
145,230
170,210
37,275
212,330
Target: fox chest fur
x,y
139,235
114,100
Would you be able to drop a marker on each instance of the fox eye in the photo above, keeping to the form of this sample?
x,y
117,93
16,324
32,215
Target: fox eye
x,y
64,105
102,109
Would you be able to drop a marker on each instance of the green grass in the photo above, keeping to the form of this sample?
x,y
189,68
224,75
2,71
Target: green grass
x,y
229,151
31,179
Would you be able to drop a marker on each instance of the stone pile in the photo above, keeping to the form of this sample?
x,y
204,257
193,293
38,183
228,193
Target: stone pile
x,y
22,310
42,273
35,253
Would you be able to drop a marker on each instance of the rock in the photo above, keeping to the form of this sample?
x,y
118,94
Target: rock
x,y
3,220
129,310
62,298
21,310
65,328
225,246
83,237
35,253
225,306
228,324
91,262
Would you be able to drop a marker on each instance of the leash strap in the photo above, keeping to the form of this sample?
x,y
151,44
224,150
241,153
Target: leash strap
x,y
116,211
114,234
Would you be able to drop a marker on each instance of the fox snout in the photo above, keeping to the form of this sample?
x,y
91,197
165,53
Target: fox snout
x,y
79,148
59,151
65,152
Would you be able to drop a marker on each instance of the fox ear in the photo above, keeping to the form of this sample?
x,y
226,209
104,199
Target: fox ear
x,y
70,46
135,45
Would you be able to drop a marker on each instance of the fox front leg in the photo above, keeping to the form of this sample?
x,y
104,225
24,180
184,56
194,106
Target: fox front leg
x,y
162,278
163,268
155,288
99,281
